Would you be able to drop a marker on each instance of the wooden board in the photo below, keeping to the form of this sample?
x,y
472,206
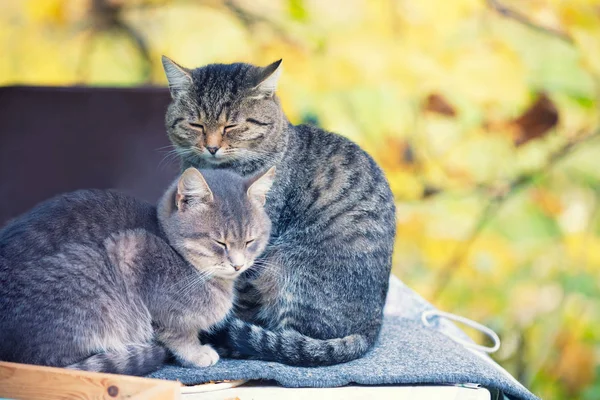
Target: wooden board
x,y
20,381
260,392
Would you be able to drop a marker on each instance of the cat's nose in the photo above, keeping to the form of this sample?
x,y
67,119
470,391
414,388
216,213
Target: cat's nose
x,y
237,267
212,149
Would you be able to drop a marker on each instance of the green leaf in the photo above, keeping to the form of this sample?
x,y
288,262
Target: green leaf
x,y
297,10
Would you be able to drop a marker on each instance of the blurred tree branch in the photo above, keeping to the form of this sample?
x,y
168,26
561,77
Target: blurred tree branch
x,y
523,19
251,20
499,195
107,16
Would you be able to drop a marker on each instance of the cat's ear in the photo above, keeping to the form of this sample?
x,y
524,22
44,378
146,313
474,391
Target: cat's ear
x,y
180,78
268,79
260,186
192,188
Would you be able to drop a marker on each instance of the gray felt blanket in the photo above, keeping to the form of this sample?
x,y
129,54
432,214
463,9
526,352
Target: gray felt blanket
x,y
407,352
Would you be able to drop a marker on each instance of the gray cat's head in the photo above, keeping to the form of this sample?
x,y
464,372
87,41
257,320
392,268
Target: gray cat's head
x,y
224,113
216,219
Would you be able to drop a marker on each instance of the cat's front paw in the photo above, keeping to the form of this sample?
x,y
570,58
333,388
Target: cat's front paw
x,y
203,356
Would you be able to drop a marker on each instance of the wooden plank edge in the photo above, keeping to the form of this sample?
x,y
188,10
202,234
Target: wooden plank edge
x,y
39,382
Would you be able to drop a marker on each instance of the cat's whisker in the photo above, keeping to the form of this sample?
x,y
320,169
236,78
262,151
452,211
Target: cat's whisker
x,y
248,157
268,263
271,271
201,277
193,283
165,160
239,155
164,147
264,261
271,268
171,155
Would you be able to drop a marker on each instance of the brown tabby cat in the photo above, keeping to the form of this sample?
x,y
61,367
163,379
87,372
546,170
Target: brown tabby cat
x,y
319,296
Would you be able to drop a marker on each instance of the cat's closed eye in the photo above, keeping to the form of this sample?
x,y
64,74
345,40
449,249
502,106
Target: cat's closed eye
x,y
220,243
257,122
196,125
249,242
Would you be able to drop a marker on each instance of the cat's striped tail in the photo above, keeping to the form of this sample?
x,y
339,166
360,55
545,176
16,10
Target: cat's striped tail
x,y
241,339
138,360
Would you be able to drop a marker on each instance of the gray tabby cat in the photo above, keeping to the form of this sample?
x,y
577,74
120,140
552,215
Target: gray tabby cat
x,y
317,294
99,281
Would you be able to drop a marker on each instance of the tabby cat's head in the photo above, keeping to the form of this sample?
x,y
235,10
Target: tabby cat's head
x,y
216,219
224,113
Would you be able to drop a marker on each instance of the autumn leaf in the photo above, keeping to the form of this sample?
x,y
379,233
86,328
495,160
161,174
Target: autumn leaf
x,y
437,103
536,121
430,191
548,202
575,367
395,153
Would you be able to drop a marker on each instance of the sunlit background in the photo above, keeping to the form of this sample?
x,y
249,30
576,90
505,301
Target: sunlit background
x,y
484,115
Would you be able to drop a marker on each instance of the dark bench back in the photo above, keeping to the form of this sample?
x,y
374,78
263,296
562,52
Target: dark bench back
x,y
55,140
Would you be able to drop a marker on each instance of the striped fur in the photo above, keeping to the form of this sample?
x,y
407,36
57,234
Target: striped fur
x,y
287,346
323,278
138,360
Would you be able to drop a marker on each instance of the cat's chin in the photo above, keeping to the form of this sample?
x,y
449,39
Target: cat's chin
x,y
229,274
210,159
224,278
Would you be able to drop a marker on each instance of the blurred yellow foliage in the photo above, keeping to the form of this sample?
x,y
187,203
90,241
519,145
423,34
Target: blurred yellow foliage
x,y
498,208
